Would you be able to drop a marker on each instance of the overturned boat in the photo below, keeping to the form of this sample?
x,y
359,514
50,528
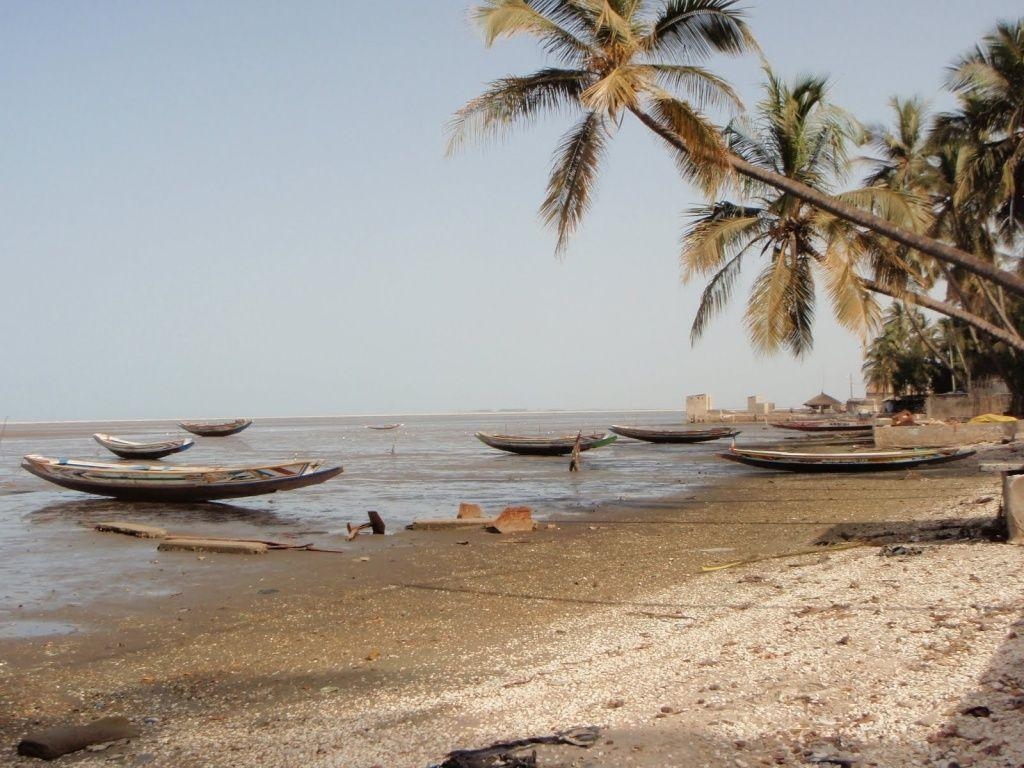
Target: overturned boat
x,y
672,434
215,428
127,449
545,446
171,483
849,461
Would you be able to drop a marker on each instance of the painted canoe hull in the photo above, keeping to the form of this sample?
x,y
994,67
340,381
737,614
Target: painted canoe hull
x,y
210,429
802,463
662,435
811,426
129,450
543,446
176,484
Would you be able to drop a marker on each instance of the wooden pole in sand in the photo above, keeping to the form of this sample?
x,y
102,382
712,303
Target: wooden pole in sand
x,y
574,460
1013,505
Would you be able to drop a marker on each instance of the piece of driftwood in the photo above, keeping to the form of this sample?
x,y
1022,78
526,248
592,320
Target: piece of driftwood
x,y
514,520
214,545
54,742
512,754
1013,505
449,523
132,529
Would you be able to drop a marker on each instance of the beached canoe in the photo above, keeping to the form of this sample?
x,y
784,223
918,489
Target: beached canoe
x,y
215,428
673,435
544,446
825,426
127,449
171,483
384,426
850,461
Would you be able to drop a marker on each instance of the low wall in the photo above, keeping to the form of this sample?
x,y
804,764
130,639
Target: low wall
x,y
959,406
943,435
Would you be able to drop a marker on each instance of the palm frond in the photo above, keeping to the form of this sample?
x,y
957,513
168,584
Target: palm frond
x,y
854,306
573,176
716,296
705,162
616,91
718,232
510,18
780,308
698,85
511,101
691,30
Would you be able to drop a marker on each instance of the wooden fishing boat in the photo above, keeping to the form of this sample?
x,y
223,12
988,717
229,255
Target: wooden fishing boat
x,y
215,428
384,426
127,449
170,483
834,425
850,461
672,434
545,446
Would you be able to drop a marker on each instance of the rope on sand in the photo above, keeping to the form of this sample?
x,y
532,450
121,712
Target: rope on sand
x,y
798,553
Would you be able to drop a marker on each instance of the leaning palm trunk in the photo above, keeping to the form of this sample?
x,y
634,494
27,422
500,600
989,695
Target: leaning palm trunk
x,y
949,310
934,248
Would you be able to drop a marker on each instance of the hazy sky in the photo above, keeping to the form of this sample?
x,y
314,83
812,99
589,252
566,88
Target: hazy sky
x,y
243,208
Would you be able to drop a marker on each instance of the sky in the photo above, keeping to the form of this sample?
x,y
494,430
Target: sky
x,y
245,209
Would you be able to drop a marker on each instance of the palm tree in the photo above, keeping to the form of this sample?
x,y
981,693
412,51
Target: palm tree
x,y
989,82
619,57
798,134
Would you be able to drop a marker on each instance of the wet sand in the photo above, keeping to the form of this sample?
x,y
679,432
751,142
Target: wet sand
x,y
414,644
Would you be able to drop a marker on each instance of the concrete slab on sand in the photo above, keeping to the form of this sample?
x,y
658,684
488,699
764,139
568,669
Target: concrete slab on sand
x,y
212,545
943,435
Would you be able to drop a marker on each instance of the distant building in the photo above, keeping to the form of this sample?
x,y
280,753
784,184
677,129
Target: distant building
x,y
823,403
758,407
697,407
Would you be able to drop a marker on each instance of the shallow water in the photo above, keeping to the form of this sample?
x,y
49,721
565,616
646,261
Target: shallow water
x,y
423,469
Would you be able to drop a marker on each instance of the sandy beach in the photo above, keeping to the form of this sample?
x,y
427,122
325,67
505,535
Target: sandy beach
x,y
412,645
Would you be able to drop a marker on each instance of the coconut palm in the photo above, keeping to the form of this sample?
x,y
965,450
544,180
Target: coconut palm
x,y
619,56
798,134
989,82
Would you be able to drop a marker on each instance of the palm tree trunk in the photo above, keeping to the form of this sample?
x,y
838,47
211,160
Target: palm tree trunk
x,y
949,310
934,248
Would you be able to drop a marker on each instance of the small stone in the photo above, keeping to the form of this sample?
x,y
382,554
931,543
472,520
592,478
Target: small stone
x,y
614,703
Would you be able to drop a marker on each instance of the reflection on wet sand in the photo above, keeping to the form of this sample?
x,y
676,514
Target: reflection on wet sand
x,y
91,511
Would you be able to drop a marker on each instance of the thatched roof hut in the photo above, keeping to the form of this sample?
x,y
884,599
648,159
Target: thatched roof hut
x,y
823,402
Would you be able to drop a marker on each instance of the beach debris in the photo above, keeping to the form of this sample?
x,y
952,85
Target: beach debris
x,y
798,553
513,520
51,743
449,523
132,529
470,511
898,550
227,547
376,524
514,754
903,419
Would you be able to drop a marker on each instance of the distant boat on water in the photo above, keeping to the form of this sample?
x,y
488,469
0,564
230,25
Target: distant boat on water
x,y
384,426
127,449
176,483
834,425
850,461
672,434
544,446
215,428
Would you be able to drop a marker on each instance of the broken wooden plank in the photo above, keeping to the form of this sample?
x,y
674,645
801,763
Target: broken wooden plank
x,y
214,545
449,523
132,529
